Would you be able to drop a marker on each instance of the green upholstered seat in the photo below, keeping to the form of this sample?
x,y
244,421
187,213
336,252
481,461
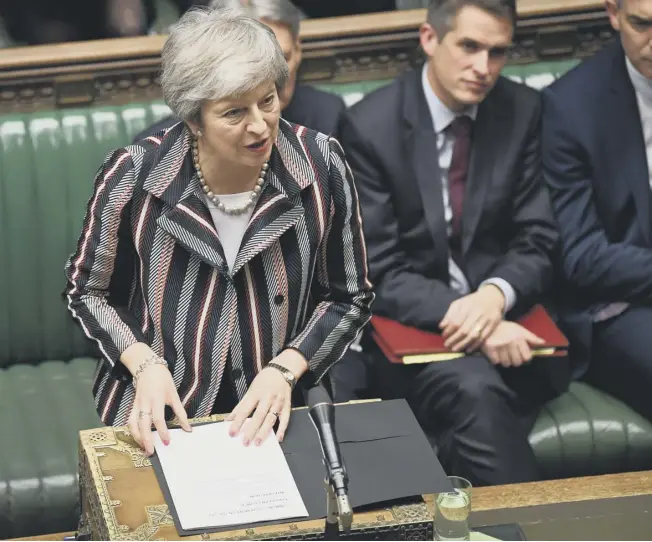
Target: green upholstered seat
x,y
539,75
586,432
42,409
47,163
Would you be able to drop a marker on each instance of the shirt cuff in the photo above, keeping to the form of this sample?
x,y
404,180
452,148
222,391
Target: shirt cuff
x,y
507,290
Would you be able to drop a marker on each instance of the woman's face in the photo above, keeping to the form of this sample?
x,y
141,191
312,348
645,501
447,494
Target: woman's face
x,y
241,130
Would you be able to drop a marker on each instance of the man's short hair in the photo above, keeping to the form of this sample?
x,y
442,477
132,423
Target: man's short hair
x,y
277,11
442,13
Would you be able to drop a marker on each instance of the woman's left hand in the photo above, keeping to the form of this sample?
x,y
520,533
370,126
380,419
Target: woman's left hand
x,y
271,397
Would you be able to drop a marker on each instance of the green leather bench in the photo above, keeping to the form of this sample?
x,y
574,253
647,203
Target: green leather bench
x,y
47,162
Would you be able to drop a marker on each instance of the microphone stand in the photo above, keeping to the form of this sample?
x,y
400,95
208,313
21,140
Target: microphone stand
x,y
339,514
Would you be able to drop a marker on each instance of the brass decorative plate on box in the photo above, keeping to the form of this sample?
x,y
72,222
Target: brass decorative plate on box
x,y
121,500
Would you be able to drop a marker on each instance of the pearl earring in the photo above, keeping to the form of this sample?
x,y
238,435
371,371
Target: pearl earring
x,y
199,133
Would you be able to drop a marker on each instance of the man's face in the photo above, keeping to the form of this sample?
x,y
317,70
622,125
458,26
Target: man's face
x,y
292,51
465,65
633,19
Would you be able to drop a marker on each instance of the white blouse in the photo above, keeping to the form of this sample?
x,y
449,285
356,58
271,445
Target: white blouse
x,y
231,228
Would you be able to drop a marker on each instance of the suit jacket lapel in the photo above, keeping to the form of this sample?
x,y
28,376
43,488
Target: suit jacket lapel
x,y
192,226
275,213
421,145
623,122
425,162
186,217
279,207
485,150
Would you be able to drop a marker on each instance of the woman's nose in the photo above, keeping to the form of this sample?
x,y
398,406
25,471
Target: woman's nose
x,y
257,122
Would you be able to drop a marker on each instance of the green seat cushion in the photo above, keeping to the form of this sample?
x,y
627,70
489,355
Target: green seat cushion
x,y
353,92
48,161
586,432
42,409
539,74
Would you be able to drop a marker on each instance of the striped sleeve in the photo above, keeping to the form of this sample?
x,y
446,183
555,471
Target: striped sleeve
x,y
342,290
92,297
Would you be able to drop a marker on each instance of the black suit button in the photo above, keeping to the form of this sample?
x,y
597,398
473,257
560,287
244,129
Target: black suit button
x,y
279,299
237,373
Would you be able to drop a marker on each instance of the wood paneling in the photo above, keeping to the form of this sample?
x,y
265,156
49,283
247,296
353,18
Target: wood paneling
x,y
336,50
614,506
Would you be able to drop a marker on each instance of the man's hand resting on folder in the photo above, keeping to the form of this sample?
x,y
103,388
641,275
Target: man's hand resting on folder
x,y
472,318
510,345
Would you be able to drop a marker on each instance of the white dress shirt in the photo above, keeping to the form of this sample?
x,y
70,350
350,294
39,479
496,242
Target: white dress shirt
x,y
442,117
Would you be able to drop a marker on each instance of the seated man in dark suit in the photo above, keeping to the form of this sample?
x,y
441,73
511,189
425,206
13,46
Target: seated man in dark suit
x,y
597,156
459,232
300,104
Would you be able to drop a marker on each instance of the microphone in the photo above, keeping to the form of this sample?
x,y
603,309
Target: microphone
x,y
322,414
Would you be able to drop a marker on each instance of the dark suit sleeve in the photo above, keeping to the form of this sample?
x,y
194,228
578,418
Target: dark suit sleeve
x,y
612,271
401,292
339,110
527,265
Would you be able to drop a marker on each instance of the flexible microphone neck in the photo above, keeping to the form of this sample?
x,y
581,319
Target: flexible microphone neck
x,y
322,414
323,418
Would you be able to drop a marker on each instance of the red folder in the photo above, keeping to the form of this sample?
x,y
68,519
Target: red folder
x,y
408,345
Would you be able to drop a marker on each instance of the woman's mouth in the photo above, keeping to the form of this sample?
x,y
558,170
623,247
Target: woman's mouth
x,y
259,146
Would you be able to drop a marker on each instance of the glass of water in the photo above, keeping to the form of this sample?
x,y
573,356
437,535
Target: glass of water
x,y
452,511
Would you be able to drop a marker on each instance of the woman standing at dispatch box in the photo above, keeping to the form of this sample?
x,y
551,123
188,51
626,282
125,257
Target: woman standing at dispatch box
x,y
223,259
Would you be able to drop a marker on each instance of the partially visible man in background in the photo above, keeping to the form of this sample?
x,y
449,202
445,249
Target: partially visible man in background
x,y
597,159
300,104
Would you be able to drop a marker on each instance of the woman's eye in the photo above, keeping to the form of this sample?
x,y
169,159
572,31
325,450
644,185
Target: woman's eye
x,y
232,113
269,100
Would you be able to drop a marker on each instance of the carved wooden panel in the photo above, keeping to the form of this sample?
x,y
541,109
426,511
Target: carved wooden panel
x,y
338,50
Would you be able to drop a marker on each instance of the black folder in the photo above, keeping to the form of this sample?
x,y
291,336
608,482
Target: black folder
x,y
386,453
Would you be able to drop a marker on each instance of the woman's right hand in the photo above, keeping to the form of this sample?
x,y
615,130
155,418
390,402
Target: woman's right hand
x,y
154,390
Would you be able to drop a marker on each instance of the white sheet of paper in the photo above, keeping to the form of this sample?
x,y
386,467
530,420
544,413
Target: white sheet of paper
x,y
216,481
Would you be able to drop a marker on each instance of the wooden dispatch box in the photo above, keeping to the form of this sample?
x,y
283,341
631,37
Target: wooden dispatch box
x,y
121,500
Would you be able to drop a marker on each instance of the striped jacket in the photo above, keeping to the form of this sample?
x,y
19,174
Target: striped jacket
x,y
149,267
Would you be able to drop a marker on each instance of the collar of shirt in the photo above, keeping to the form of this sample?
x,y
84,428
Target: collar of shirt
x,y
441,115
642,85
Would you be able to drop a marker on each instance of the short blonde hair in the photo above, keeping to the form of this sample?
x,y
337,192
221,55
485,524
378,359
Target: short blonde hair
x,y
213,54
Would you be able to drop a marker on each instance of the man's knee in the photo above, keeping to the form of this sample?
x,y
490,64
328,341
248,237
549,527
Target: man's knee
x,y
467,386
476,390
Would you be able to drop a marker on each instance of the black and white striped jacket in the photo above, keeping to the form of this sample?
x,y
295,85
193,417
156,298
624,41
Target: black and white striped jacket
x,y
149,267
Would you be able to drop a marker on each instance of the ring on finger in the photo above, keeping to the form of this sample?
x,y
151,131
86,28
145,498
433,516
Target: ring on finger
x,y
144,414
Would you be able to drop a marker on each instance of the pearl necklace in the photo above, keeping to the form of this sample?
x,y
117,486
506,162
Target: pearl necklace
x,y
253,197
